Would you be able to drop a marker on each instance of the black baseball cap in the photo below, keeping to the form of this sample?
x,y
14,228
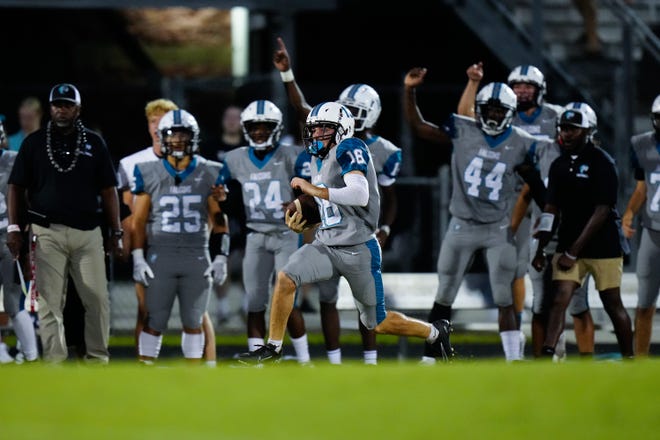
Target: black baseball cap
x,y
65,92
573,117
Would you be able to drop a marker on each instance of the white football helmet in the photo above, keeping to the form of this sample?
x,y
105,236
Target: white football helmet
x,y
655,113
363,101
499,95
529,75
178,120
262,111
331,115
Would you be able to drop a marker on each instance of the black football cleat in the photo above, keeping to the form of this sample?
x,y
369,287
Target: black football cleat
x,y
264,354
442,346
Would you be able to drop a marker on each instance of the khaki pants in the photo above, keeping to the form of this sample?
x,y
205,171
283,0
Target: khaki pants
x,y
60,251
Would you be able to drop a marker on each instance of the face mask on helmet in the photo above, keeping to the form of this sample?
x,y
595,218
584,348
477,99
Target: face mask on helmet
x,y
172,126
327,124
655,114
496,104
363,102
262,112
528,75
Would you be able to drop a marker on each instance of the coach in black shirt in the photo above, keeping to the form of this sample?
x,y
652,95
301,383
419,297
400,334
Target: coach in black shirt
x,y
582,193
59,174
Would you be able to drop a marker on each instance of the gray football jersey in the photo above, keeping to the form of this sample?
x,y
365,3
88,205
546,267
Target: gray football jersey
x,y
7,158
386,158
265,184
179,211
542,123
344,225
483,176
646,149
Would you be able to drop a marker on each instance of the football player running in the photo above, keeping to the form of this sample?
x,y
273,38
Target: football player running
x,y
345,186
264,169
364,103
175,195
486,157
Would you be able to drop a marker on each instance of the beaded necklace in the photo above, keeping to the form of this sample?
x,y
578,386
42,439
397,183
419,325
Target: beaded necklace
x,y
80,141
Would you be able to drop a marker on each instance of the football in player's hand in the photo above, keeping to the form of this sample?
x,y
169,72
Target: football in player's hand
x,y
306,205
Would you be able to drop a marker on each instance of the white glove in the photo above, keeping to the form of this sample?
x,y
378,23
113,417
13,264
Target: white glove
x,y
141,270
218,270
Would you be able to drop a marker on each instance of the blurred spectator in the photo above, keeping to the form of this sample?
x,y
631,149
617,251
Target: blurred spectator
x,y
29,118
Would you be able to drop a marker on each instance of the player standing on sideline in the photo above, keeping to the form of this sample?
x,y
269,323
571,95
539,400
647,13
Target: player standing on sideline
x,y
176,194
264,170
345,187
12,293
582,193
62,176
487,154
539,119
154,111
646,163
364,103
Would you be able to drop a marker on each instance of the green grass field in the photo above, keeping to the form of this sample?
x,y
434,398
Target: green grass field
x,y
462,400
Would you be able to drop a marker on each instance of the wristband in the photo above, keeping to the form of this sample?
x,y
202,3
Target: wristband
x,y
119,233
13,228
546,221
385,229
219,244
287,76
572,257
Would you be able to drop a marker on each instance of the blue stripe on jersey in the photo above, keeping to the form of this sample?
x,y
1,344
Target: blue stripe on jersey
x,y
225,174
182,174
260,163
393,165
371,139
352,154
494,141
303,166
374,248
530,118
139,181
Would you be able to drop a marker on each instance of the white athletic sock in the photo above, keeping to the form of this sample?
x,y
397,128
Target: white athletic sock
x,y
277,344
511,344
254,343
427,360
334,356
24,329
371,357
192,345
149,345
302,348
434,334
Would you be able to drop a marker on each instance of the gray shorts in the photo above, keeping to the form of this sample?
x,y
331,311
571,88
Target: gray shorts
x,y
359,264
265,255
648,275
522,246
178,273
12,293
461,241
